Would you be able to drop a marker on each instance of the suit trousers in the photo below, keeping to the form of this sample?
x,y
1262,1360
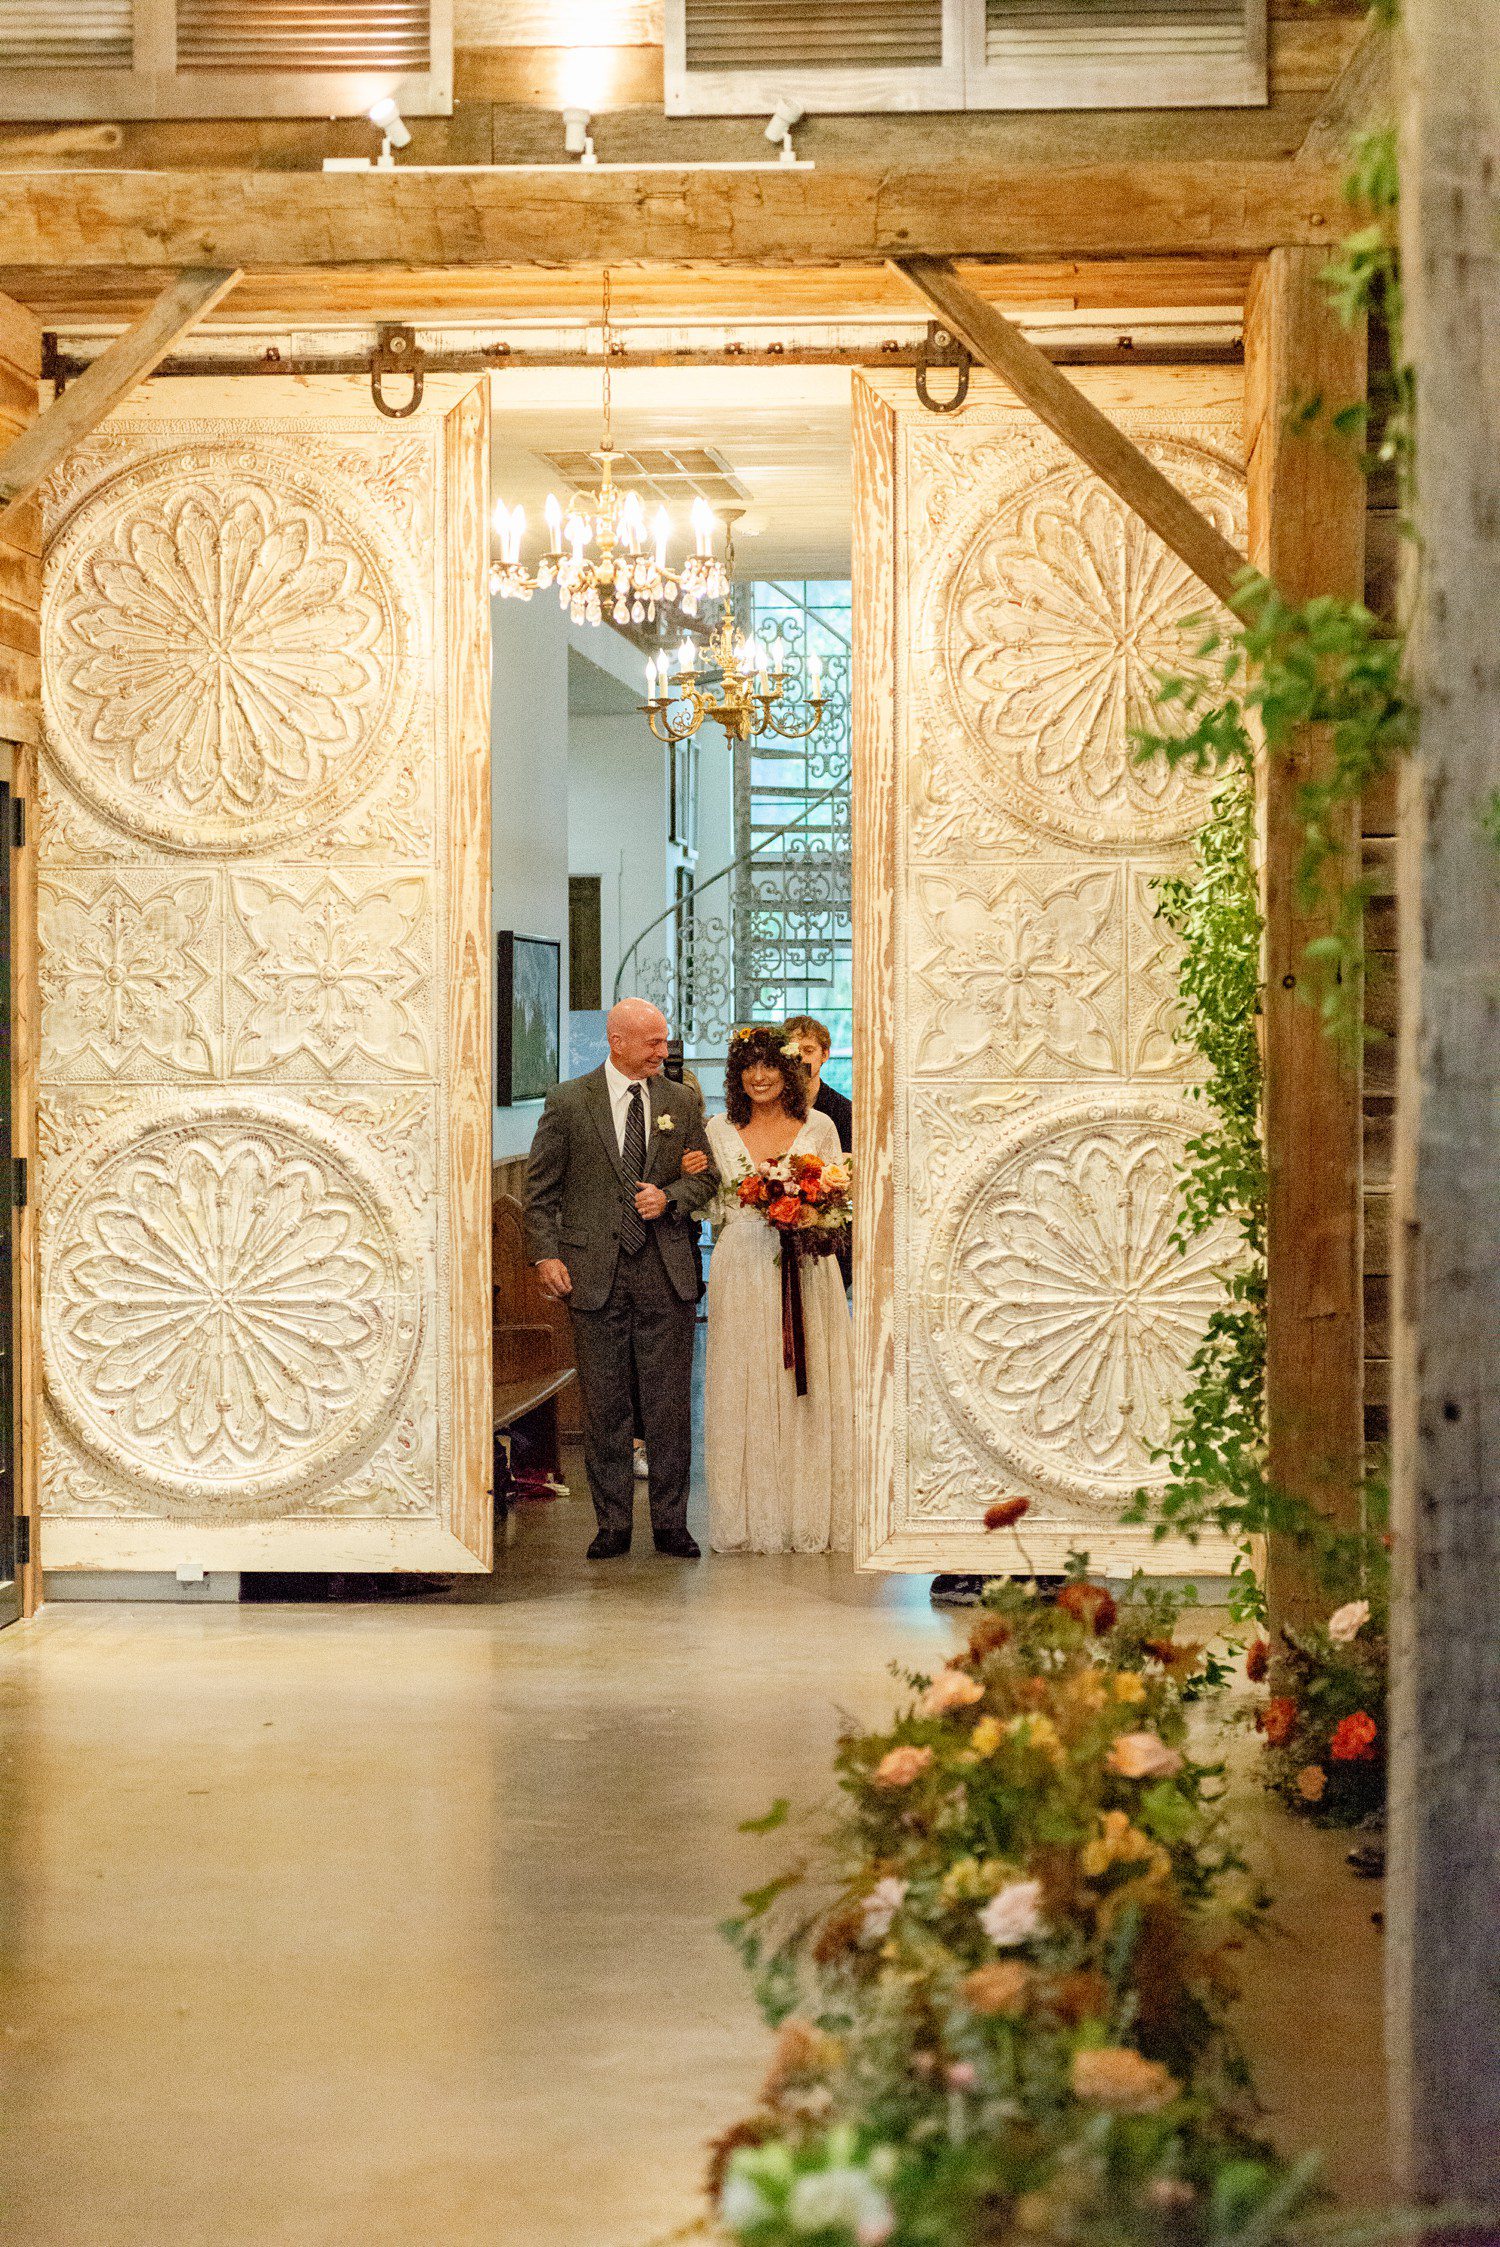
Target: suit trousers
x,y
644,1327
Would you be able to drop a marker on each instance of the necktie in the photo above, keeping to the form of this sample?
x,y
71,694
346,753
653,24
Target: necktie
x,y
633,1156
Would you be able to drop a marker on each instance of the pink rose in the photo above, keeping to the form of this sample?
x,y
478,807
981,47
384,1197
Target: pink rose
x,y
901,1766
951,1690
1140,1755
1014,1915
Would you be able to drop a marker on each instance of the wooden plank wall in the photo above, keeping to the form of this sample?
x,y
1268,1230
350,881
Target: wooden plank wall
x,y
1382,989
20,719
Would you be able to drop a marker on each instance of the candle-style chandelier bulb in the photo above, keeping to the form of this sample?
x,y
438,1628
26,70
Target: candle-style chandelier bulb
x,y
599,554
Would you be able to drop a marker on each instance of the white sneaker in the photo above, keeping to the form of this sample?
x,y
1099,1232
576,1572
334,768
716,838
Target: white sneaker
x,y
642,1463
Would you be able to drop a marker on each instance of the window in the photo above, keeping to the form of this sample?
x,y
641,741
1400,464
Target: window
x,y
223,58
865,55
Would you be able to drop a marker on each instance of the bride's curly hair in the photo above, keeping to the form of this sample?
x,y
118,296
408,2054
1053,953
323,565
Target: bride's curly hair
x,y
761,1045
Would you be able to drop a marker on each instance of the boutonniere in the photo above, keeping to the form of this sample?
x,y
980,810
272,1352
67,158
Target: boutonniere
x,y
666,1123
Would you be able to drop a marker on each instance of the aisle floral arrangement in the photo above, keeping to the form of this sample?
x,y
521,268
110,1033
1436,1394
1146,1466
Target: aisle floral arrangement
x,y
1324,1720
1000,1976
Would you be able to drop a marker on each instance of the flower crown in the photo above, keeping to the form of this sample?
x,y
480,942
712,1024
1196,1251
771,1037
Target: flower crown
x,y
789,1046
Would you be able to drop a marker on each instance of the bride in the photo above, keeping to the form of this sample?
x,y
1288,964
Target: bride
x,y
780,1466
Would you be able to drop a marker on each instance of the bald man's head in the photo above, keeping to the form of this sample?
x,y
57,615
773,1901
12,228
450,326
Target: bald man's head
x,y
637,1033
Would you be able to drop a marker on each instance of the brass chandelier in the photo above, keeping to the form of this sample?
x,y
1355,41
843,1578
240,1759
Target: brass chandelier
x,y
598,554
751,699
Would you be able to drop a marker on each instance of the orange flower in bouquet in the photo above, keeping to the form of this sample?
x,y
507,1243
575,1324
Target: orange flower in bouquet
x,y
802,1195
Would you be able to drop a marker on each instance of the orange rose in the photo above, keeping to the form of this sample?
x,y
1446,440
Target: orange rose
x,y
1114,2076
1354,1739
1089,1604
1276,1719
1312,1782
1001,1987
783,1211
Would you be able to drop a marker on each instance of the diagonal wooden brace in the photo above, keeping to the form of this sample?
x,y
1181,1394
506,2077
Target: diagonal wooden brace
x,y
108,379
998,344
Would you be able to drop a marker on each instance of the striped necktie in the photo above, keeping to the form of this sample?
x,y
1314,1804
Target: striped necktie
x,y
633,1156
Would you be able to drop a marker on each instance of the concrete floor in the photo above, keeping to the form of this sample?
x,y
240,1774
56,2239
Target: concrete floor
x,y
394,1926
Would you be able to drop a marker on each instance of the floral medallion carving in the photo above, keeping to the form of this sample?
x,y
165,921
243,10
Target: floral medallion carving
x,y
127,970
231,647
1054,612
334,974
231,1311
1018,973
1062,1316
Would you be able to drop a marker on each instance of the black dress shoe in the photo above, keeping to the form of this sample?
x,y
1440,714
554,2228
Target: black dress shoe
x,y
609,1545
683,1547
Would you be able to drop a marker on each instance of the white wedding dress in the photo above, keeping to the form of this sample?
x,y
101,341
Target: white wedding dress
x,y
780,1466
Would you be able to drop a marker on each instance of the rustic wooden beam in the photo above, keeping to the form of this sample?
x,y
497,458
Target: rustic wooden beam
x,y
1115,458
1307,512
108,379
1443,1905
558,215
1359,97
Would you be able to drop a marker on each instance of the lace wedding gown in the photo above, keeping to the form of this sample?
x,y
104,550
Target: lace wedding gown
x,y
780,1466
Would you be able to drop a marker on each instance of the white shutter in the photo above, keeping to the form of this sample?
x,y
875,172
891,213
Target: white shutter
x,y
303,35
224,58
1117,54
742,56
739,57
66,34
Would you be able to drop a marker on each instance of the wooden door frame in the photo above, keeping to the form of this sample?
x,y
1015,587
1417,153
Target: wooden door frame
x,y
1304,197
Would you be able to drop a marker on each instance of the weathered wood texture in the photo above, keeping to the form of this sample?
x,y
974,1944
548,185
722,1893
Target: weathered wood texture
x,y
1307,511
327,297
1099,442
874,817
264,949
575,216
1025,1325
1359,97
1443,1905
469,1045
20,724
108,380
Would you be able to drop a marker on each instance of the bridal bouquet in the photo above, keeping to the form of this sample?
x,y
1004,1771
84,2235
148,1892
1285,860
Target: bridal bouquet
x,y
804,1198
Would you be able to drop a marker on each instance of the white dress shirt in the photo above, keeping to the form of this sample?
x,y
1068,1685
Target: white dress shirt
x,y
620,1088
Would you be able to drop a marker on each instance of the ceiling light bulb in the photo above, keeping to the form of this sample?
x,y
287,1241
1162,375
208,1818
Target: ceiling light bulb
x,y
387,117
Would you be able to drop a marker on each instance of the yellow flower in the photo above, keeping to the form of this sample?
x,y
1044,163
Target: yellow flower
x,y
1113,2076
966,1880
1086,1691
1118,1842
1040,1734
1128,1686
986,1735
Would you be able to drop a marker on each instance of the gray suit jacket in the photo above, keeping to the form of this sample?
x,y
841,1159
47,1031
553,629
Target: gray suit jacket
x,y
575,1184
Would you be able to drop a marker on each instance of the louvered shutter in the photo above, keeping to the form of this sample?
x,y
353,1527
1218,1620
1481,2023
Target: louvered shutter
x,y
224,58
1117,54
737,57
743,56
303,35
66,34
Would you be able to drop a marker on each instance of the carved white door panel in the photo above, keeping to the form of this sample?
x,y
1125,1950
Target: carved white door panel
x,y
1021,1102
264,934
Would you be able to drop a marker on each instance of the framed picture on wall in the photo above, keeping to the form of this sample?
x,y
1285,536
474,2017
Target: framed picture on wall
x,y
528,996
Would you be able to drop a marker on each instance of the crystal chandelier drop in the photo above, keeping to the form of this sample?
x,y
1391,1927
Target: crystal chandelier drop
x,y
750,700
599,555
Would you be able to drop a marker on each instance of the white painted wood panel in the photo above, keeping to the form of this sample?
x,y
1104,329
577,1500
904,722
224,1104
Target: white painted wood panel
x,y
264,934
1027,1324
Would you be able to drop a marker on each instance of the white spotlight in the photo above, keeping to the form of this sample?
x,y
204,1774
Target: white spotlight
x,y
784,116
575,130
388,119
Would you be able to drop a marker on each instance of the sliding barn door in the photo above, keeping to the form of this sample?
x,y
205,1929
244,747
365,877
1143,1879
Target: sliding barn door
x,y
264,935
1022,1111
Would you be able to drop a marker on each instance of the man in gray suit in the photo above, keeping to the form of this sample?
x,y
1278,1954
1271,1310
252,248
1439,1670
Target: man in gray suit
x,y
608,1220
